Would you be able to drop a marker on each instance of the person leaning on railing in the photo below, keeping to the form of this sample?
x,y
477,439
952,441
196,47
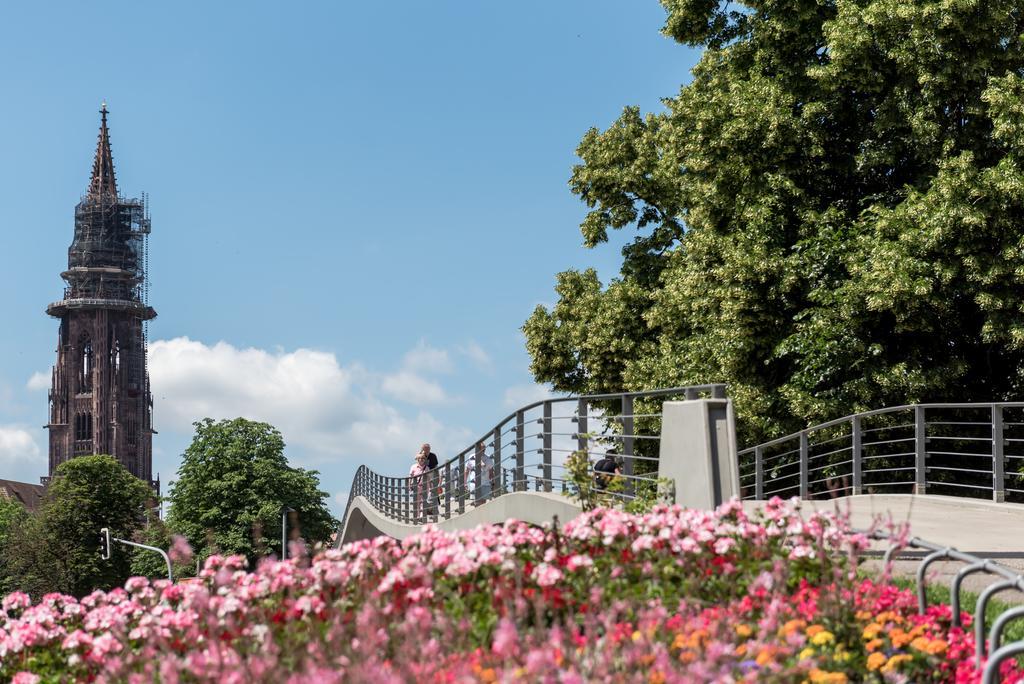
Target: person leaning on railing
x,y
606,469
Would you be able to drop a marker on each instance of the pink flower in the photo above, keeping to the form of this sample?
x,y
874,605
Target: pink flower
x,y
546,574
180,551
25,678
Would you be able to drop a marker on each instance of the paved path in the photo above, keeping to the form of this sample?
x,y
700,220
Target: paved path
x,y
970,525
983,528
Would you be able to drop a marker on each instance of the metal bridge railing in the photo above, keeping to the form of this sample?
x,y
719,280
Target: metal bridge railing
x,y
1006,579
527,450
973,450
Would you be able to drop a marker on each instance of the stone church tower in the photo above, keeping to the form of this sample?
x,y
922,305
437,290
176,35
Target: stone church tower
x,y
100,399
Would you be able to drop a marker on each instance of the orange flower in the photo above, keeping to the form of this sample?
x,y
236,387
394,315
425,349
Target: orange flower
x,y
744,630
656,677
765,656
826,677
791,626
488,676
873,645
814,629
876,660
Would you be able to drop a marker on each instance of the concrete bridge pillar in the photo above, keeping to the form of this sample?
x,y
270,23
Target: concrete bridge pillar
x,y
698,451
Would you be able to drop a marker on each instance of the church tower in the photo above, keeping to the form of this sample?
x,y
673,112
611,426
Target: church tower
x,y
100,399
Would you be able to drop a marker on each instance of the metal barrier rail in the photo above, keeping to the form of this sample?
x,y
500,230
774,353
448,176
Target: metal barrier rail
x,y
626,423
1011,579
974,450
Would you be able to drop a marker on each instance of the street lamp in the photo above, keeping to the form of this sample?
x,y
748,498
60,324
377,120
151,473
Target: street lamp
x,y
285,510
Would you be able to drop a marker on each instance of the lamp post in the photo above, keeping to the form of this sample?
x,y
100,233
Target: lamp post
x,y
285,510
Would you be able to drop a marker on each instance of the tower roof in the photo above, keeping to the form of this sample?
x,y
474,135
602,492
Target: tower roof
x,y
103,182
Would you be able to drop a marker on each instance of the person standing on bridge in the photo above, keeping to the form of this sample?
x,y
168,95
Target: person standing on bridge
x,y
418,475
434,492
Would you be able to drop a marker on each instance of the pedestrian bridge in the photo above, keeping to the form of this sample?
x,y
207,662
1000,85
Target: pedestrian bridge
x,y
954,471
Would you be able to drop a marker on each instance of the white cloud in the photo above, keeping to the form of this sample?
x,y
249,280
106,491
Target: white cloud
x,y
330,410
521,395
38,381
17,444
413,388
475,353
426,359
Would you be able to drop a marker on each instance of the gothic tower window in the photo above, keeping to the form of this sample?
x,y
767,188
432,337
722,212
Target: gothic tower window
x,y
85,377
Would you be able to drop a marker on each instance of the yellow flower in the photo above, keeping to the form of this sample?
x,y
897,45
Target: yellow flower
x,y
744,630
637,636
806,653
871,631
895,661
822,638
876,660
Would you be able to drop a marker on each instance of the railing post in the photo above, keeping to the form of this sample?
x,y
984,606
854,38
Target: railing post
x,y
627,442
478,457
497,470
690,394
447,490
547,446
920,452
804,479
462,483
520,477
404,485
759,473
718,391
857,438
582,440
998,455
392,509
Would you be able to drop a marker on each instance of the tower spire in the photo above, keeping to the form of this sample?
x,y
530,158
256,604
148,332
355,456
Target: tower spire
x,y
103,182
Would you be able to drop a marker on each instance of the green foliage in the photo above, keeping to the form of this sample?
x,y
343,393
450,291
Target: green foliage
x,y
12,514
145,563
57,549
233,481
828,215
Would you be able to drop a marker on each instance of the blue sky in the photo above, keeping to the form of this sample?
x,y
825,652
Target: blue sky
x,y
355,205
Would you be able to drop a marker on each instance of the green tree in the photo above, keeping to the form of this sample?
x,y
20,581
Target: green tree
x,y
57,549
829,215
233,481
12,514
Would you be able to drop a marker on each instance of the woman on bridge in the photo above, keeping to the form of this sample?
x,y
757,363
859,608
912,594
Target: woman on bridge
x,y
418,485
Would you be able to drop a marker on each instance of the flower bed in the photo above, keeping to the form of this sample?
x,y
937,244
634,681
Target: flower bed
x,y
673,595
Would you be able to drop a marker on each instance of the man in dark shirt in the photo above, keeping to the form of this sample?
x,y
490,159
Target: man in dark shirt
x,y
605,470
431,456
434,497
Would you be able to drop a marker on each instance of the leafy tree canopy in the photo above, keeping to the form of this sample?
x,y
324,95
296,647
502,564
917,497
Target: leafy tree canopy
x,y
829,216
232,484
57,549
